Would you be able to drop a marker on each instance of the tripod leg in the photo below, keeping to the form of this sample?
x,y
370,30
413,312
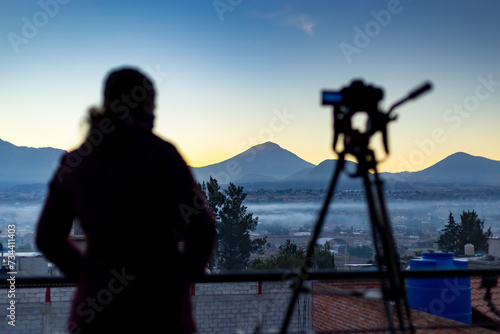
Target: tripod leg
x,y
397,277
381,251
387,256
312,242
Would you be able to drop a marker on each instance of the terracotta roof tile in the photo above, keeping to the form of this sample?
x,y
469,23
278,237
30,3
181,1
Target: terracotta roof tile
x,y
478,302
329,296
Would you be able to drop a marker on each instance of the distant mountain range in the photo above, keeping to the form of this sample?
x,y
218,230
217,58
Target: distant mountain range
x,y
264,166
270,166
26,165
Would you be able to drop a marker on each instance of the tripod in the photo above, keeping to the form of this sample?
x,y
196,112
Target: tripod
x,y
346,103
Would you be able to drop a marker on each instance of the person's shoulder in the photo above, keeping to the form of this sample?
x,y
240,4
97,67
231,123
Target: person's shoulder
x,y
68,162
75,157
162,143
70,159
163,150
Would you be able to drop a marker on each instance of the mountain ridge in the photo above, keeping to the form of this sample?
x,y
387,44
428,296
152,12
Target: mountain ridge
x,y
262,161
269,165
459,168
25,165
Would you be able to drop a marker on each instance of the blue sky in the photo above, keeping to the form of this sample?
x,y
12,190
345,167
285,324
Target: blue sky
x,y
234,73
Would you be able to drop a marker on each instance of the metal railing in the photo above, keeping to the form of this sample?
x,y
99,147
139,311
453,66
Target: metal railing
x,y
274,276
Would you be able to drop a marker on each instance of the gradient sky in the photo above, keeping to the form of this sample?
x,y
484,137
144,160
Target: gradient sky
x,y
234,73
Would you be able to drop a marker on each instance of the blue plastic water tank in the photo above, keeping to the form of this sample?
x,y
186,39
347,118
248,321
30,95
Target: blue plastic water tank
x,y
448,297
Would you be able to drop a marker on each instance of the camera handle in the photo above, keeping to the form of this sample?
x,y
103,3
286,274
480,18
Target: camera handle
x,y
349,101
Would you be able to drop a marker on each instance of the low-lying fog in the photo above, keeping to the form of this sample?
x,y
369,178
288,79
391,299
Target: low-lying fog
x,y
23,215
430,214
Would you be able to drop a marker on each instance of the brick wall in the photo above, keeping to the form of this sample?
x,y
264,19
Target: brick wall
x,y
233,307
38,310
218,308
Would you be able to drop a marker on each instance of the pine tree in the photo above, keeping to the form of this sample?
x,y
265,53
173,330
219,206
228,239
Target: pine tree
x,y
449,240
234,225
473,232
215,197
470,230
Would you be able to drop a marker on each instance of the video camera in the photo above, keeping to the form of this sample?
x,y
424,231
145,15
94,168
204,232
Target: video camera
x,y
356,98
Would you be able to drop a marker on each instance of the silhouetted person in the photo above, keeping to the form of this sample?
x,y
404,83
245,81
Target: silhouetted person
x,y
149,232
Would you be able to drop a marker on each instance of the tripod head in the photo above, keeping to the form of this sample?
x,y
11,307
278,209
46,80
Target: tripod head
x,y
361,98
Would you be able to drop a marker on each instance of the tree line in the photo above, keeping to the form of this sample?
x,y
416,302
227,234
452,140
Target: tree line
x,y
235,244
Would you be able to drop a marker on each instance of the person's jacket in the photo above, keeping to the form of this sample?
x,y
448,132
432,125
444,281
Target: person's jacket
x,y
148,229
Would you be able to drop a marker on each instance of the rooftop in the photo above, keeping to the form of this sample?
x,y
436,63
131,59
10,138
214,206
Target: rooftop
x,y
354,313
480,305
